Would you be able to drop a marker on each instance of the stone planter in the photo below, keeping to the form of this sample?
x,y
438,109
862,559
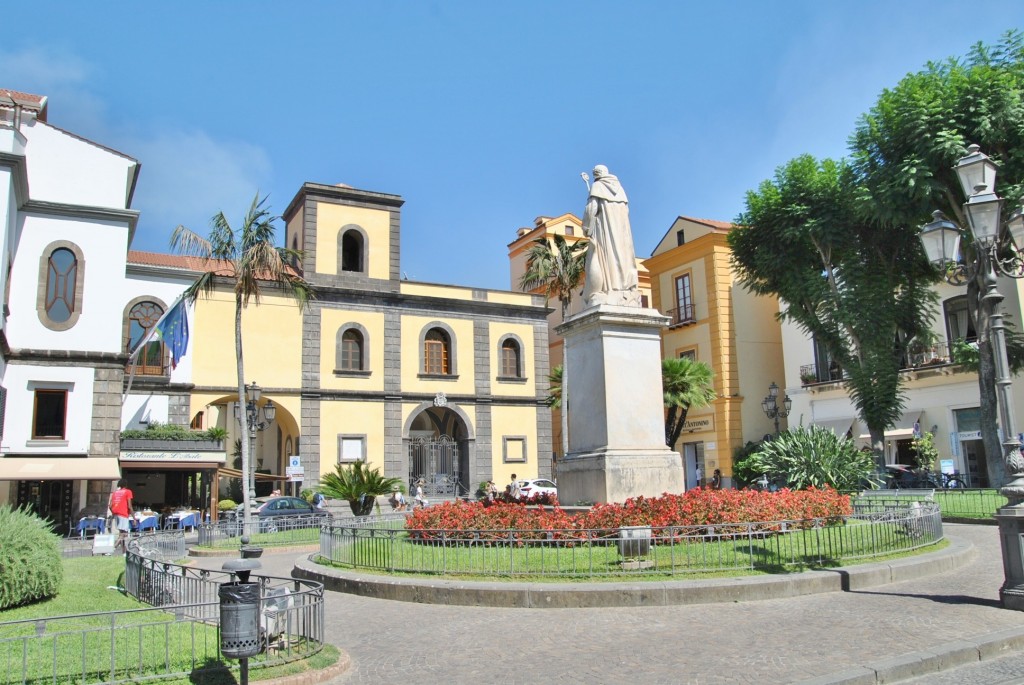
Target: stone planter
x,y
172,445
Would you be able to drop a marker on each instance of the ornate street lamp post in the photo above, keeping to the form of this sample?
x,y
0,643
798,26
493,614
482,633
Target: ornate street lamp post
x,y
253,423
771,406
996,249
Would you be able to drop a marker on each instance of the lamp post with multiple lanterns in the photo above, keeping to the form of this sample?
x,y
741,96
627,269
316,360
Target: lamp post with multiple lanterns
x,y
997,249
254,421
771,406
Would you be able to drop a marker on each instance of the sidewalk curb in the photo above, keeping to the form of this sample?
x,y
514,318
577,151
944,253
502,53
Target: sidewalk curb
x,y
928,661
633,594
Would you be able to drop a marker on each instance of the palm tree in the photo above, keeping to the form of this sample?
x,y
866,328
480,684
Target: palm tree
x,y
686,383
246,259
554,398
558,271
358,484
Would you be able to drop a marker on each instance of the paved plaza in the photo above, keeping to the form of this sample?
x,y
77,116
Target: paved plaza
x,y
822,638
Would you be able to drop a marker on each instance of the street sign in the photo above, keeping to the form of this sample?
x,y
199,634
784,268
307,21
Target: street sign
x,y
295,479
295,461
294,471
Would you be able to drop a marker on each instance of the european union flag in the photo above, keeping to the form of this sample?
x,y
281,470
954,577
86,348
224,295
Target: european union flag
x,y
173,330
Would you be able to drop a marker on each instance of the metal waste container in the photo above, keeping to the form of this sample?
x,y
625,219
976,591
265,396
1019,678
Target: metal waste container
x,y
240,620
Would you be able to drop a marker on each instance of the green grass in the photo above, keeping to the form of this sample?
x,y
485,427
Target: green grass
x,y
785,553
146,643
970,504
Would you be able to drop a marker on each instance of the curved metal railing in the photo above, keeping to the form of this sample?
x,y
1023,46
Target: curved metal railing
x,y
664,551
177,638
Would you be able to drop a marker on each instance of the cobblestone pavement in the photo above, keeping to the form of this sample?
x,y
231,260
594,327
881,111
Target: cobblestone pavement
x,y
769,641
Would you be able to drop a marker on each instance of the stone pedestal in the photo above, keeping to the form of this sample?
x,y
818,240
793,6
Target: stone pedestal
x,y
1011,534
612,376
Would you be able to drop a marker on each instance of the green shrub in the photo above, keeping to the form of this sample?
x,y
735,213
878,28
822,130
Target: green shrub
x,y
227,505
166,431
814,456
30,562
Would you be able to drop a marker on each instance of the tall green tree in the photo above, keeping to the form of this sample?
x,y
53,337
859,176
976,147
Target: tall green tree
x,y
904,150
246,261
557,267
859,287
685,383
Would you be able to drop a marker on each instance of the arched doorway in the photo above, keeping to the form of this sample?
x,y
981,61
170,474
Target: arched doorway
x,y
438,452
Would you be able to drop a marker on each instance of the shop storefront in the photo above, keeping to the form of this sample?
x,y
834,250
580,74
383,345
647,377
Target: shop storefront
x,y
58,488
173,478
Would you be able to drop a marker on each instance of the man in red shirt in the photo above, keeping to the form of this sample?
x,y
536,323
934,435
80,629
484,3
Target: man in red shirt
x,y
120,505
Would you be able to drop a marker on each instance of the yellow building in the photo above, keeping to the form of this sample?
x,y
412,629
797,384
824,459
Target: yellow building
x,y
714,320
441,382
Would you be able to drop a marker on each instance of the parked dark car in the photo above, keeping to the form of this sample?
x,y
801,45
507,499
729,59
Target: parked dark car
x,y
280,513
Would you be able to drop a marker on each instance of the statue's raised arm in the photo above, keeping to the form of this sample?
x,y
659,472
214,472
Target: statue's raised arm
x,y
611,260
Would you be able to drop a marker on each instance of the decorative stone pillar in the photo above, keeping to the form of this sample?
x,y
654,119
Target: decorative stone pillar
x,y
613,391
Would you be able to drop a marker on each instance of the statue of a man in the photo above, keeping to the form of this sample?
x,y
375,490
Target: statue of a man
x,y
611,261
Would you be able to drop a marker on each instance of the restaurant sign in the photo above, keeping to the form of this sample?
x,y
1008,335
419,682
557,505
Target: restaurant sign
x,y
699,424
183,456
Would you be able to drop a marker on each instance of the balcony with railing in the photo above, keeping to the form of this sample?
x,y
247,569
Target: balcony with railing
x,y
681,316
918,359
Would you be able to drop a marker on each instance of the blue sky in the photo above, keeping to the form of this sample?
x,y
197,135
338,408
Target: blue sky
x,y
481,115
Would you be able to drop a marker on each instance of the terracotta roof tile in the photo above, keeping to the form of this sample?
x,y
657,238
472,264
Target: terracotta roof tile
x,y
184,262
26,99
726,225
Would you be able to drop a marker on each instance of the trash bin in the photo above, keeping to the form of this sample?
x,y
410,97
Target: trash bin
x,y
240,620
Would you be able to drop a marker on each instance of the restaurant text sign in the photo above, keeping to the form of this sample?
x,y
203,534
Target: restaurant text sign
x,y
185,456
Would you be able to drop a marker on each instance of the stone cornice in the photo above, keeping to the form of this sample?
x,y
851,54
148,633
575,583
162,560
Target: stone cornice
x,y
129,216
67,357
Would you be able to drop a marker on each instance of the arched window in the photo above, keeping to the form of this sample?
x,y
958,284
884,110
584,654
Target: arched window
x,y
352,251
61,274
437,352
350,354
511,362
351,351
141,319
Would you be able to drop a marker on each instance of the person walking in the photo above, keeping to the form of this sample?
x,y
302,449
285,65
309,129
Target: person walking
x,y
513,489
120,505
698,476
420,498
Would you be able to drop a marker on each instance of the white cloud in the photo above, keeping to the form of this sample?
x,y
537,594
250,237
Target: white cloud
x,y
187,177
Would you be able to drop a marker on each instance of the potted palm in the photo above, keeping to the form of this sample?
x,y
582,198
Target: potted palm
x,y
357,484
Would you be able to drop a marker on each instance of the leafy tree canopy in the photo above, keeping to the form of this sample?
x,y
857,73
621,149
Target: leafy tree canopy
x,y
860,287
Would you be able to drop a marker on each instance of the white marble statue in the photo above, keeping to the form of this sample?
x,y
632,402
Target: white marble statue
x,y
611,260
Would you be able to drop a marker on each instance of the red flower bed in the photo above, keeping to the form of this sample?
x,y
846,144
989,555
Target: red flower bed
x,y
699,507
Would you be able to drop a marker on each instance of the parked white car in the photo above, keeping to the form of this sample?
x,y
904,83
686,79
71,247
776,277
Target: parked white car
x,y
537,486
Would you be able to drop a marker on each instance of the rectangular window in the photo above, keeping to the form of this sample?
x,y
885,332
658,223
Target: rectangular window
x,y
514,449
689,354
351,448
684,300
435,357
680,238
351,355
509,362
50,416
197,422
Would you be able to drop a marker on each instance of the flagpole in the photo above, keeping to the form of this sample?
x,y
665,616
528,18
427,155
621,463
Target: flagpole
x,y
146,339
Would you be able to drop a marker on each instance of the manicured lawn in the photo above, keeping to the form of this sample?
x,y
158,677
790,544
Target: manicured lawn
x,y
971,504
796,550
146,642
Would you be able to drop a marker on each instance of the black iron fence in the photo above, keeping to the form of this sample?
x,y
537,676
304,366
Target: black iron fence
x,y
670,550
178,639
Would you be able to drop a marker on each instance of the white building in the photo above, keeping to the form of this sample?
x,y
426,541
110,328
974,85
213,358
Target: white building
x,y
71,313
941,397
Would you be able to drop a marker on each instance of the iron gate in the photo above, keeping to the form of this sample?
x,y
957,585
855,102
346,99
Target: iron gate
x,y
436,461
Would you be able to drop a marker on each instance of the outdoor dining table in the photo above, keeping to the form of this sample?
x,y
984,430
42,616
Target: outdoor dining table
x,y
95,523
145,520
182,519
